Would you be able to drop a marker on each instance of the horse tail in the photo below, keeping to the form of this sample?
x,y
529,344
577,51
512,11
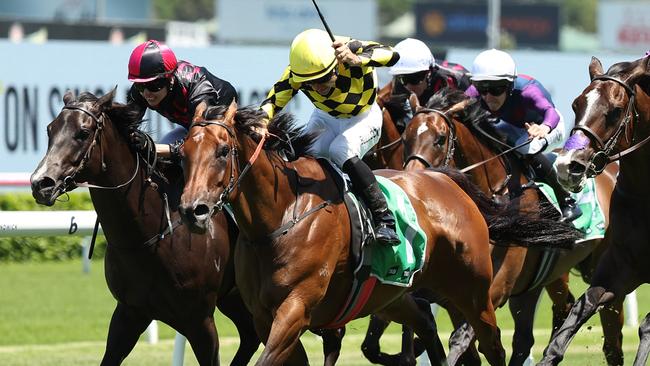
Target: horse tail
x,y
511,224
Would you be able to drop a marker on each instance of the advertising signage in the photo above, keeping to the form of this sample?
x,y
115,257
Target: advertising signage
x,y
458,24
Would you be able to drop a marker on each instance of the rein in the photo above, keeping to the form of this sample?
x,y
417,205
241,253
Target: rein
x,y
603,156
451,140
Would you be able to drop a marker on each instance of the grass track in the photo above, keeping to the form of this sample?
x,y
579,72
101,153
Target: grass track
x,y
52,314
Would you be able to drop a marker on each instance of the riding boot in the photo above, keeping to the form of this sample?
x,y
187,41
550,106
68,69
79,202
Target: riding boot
x,y
366,184
545,172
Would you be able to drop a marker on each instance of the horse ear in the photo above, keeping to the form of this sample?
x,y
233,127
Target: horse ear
x,y
595,68
68,97
199,112
106,100
642,99
415,102
232,110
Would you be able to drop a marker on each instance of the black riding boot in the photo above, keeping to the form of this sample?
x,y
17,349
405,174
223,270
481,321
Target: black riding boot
x,y
365,183
545,172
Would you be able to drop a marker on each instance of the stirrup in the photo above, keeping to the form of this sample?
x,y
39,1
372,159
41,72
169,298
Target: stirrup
x,y
385,235
570,212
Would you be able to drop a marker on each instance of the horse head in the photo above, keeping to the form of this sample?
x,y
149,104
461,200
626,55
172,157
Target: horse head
x,y
74,149
430,136
210,158
606,115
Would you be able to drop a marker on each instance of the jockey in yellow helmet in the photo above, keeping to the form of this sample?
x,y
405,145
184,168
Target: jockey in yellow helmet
x,y
340,80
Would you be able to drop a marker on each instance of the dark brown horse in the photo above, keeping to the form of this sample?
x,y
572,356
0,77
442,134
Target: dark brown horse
x,y
295,270
612,124
447,133
177,277
388,152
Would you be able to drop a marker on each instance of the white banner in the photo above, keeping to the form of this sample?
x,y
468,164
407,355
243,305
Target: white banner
x,y
280,21
624,26
35,77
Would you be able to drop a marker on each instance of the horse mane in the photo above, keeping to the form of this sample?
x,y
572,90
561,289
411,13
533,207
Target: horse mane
x,y
285,134
124,116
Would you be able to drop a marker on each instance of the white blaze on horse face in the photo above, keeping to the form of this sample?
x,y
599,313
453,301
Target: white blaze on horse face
x,y
422,129
592,98
198,137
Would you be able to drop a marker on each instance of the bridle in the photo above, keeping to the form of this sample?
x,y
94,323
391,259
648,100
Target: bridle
x,y
232,182
68,182
603,154
451,140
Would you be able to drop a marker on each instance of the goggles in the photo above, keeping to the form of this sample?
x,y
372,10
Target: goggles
x,y
153,85
491,88
412,79
323,79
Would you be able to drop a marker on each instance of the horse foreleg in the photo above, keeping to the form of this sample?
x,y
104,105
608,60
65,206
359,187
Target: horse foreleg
x,y
332,340
522,308
644,342
124,330
291,318
233,307
560,294
202,336
612,319
370,346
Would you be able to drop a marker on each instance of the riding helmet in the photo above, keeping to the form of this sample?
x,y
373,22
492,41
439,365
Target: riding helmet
x,y
414,56
151,60
492,65
311,55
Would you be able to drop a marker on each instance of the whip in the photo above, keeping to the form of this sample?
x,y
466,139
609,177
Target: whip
x,y
327,28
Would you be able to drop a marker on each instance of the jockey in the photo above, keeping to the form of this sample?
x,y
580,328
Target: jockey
x,y
417,72
172,88
339,78
524,109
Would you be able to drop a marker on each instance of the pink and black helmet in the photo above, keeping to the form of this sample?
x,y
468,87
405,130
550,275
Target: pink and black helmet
x,y
151,60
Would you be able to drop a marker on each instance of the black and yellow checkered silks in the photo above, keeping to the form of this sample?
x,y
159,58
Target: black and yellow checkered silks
x,y
355,90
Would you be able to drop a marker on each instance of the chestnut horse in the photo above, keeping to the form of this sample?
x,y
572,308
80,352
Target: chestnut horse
x,y
388,152
612,124
293,264
177,277
446,133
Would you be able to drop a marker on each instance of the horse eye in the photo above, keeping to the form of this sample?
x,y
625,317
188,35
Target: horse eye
x,y
82,135
222,151
440,141
614,115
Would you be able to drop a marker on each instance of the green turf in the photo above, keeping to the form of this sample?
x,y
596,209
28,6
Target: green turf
x,y
53,314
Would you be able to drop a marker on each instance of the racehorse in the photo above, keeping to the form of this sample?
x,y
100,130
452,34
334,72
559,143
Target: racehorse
x,y
388,152
448,132
154,267
294,270
612,124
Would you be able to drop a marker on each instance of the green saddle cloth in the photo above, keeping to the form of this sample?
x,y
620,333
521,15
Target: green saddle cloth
x,y
396,265
592,221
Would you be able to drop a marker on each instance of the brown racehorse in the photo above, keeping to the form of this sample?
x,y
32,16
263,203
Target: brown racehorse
x,y
294,271
388,152
177,278
612,124
445,133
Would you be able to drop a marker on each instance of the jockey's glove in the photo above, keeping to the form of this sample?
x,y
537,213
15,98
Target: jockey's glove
x,y
139,140
175,151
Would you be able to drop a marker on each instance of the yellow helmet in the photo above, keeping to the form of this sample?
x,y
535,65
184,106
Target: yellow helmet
x,y
311,55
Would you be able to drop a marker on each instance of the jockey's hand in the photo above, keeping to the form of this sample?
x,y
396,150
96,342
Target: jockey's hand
x,y
345,55
535,130
139,140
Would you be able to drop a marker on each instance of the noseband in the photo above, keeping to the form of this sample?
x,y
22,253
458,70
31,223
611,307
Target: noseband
x,y
451,140
603,155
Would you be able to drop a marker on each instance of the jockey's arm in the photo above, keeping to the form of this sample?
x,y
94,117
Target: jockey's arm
x,y
370,53
280,95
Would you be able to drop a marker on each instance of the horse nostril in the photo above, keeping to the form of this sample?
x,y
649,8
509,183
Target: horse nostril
x,y
201,210
43,183
576,168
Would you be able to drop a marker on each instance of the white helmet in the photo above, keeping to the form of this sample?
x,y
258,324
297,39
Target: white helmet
x,y
493,65
414,56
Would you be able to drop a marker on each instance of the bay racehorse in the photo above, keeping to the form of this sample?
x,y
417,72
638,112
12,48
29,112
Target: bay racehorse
x,y
450,132
153,272
293,263
612,124
388,152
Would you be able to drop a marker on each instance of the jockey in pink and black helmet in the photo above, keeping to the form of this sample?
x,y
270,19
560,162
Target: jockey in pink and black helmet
x,y
172,88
